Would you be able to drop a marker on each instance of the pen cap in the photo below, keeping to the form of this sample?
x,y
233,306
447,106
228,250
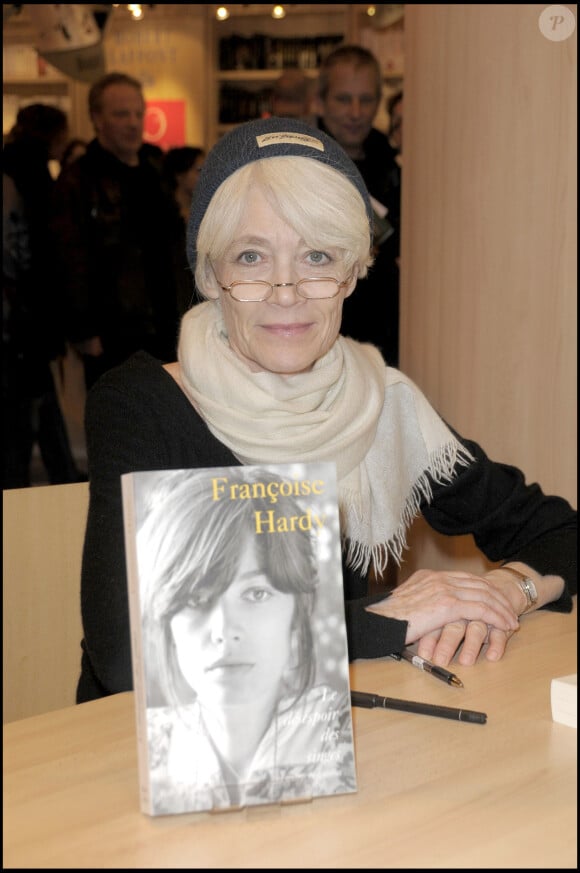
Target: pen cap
x,y
360,698
474,717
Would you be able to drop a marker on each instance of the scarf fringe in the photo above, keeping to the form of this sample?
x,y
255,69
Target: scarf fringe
x,y
442,464
387,441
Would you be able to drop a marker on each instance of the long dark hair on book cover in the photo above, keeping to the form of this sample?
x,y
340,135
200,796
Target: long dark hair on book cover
x,y
194,547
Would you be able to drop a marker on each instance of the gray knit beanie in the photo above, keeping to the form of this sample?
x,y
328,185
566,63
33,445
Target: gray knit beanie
x,y
265,138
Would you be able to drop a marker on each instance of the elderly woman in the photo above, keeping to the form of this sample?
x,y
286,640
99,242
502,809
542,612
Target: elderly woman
x,y
279,234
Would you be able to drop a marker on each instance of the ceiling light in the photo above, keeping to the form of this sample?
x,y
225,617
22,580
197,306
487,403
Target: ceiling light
x,y
278,12
222,13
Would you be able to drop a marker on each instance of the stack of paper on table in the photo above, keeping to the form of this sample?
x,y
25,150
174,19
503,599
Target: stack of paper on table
x,y
564,693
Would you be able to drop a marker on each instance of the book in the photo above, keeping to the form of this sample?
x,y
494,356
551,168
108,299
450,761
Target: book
x,y
564,699
238,636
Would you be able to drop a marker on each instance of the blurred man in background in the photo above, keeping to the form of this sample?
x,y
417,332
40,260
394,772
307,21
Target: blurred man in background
x,y
395,131
113,228
292,96
349,94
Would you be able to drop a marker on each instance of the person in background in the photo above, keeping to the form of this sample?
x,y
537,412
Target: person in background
x,y
280,234
224,734
395,131
74,149
349,95
113,229
292,95
32,331
395,137
181,168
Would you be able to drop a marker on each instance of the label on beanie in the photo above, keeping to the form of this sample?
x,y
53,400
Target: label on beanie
x,y
289,138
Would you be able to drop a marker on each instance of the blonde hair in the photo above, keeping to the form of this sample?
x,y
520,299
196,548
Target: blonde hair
x,y
317,201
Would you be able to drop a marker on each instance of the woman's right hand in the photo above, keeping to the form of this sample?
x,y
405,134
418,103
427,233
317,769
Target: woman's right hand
x,y
430,599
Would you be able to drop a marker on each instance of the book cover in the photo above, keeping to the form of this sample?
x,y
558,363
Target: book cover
x,y
238,636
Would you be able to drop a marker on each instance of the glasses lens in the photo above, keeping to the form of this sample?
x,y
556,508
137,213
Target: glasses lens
x,y
318,288
255,292
250,292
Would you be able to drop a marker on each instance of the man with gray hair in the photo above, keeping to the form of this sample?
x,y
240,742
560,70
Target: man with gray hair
x,y
113,230
349,95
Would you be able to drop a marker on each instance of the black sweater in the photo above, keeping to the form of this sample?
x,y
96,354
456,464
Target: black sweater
x,y
137,418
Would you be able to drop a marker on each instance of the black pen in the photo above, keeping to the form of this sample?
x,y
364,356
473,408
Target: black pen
x,y
428,667
370,701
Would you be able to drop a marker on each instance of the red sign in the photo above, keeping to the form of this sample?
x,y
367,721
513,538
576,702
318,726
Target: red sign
x,y
165,123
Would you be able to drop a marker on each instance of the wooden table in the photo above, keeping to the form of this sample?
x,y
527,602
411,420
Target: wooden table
x,y
432,793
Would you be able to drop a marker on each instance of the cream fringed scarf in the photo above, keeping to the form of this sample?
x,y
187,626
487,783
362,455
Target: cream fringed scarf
x,y
371,420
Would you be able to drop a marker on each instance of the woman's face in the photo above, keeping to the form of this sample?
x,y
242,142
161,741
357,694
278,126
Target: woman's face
x,y
285,334
237,648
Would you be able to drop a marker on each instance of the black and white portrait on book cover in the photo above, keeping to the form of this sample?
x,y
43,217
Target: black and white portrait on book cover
x,y
239,643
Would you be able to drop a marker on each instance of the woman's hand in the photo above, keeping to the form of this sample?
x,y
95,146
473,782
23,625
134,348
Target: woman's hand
x,y
440,645
445,608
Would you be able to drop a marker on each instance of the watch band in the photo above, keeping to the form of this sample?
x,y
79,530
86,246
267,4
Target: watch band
x,y
527,586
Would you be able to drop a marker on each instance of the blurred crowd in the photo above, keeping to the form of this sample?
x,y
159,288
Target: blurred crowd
x,y
94,255
94,266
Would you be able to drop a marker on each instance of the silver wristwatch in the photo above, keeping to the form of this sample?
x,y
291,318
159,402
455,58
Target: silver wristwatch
x,y
527,586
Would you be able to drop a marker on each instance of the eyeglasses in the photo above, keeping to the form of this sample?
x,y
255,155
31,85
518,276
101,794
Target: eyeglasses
x,y
258,291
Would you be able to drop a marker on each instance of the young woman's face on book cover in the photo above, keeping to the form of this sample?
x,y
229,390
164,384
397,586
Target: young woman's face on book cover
x,y
236,648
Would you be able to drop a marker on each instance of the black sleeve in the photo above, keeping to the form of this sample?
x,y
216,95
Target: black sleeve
x,y
509,519
113,448
370,635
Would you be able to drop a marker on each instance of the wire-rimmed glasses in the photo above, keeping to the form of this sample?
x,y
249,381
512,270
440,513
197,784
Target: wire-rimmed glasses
x,y
256,291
